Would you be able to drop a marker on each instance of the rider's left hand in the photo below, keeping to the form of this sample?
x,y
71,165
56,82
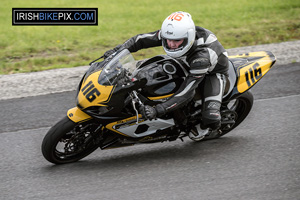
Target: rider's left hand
x,y
111,51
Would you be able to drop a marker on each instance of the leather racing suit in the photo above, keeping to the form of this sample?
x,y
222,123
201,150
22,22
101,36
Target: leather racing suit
x,y
208,62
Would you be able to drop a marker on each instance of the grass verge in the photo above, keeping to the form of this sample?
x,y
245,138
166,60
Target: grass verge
x,y
236,23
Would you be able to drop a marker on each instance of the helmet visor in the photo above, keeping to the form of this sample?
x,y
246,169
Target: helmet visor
x,y
173,45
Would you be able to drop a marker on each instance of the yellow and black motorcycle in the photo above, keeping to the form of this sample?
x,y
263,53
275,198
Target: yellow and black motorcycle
x,y
112,91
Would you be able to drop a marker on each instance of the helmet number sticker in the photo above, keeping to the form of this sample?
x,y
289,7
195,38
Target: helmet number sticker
x,y
176,16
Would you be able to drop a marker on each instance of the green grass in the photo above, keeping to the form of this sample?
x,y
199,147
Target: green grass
x,y
236,23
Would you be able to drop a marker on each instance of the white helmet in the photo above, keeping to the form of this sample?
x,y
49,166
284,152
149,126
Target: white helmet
x,y
177,26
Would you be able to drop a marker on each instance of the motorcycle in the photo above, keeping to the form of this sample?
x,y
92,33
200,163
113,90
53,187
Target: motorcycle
x,y
112,91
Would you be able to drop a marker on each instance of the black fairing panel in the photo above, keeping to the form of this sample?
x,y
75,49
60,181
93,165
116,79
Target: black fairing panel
x,y
160,79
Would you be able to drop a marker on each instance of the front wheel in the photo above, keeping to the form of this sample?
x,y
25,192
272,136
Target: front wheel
x,y
68,141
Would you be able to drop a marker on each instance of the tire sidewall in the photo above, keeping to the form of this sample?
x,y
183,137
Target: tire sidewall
x,y
52,138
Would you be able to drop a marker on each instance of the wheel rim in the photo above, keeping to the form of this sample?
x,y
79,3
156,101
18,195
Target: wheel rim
x,y
237,108
75,143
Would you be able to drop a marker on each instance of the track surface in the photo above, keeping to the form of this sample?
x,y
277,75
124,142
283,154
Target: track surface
x,y
258,160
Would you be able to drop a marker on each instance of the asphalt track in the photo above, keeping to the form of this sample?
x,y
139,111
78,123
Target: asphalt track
x,y
259,160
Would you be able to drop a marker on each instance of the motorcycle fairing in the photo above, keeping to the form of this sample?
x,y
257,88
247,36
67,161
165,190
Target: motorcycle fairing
x,y
130,128
92,93
160,97
255,66
248,70
76,115
164,76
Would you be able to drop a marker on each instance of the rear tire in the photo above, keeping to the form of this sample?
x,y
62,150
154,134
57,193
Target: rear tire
x,y
76,145
242,107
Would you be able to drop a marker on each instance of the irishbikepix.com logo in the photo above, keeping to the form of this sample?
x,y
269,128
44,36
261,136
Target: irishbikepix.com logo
x,y
55,16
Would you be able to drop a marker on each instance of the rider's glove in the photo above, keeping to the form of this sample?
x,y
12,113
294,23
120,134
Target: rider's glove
x,y
111,51
150,112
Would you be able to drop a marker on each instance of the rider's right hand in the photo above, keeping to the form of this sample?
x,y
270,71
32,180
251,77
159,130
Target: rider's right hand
x,y
148,112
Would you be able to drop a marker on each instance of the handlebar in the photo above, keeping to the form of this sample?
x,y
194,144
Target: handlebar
x,y
96,60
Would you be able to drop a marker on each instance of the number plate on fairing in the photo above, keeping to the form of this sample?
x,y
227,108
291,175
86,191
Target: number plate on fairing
x,y
259,63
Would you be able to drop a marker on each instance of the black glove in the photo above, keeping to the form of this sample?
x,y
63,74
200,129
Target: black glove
x,y
111,51
148,112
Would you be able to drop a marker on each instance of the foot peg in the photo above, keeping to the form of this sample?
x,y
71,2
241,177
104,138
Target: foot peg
x,y
197,134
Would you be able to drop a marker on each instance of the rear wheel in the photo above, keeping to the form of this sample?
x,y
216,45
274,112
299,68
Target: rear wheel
x,y
237,110
68,142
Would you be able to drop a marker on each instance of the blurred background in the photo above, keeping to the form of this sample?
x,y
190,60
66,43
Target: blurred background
x,y
236,23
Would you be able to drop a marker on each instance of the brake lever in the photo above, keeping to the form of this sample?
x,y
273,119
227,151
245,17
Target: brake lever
x,y
96,60
136,99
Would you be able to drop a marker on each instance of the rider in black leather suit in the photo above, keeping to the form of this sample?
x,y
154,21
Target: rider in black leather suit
x,y
201,50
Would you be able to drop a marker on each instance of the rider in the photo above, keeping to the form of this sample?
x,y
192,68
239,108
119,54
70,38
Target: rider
x,y
208,62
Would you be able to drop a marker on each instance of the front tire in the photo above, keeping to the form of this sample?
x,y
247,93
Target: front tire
x,y
67,142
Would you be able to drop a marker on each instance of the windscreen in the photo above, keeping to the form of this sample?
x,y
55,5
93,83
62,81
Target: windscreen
x,y
120,67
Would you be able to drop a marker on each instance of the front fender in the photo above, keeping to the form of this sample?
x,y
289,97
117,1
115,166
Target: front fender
x,y
76,115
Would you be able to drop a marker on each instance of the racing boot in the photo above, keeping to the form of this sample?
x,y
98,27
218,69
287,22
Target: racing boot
x,y
211,117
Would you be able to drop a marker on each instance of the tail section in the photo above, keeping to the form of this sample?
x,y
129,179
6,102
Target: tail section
x,y
254,66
